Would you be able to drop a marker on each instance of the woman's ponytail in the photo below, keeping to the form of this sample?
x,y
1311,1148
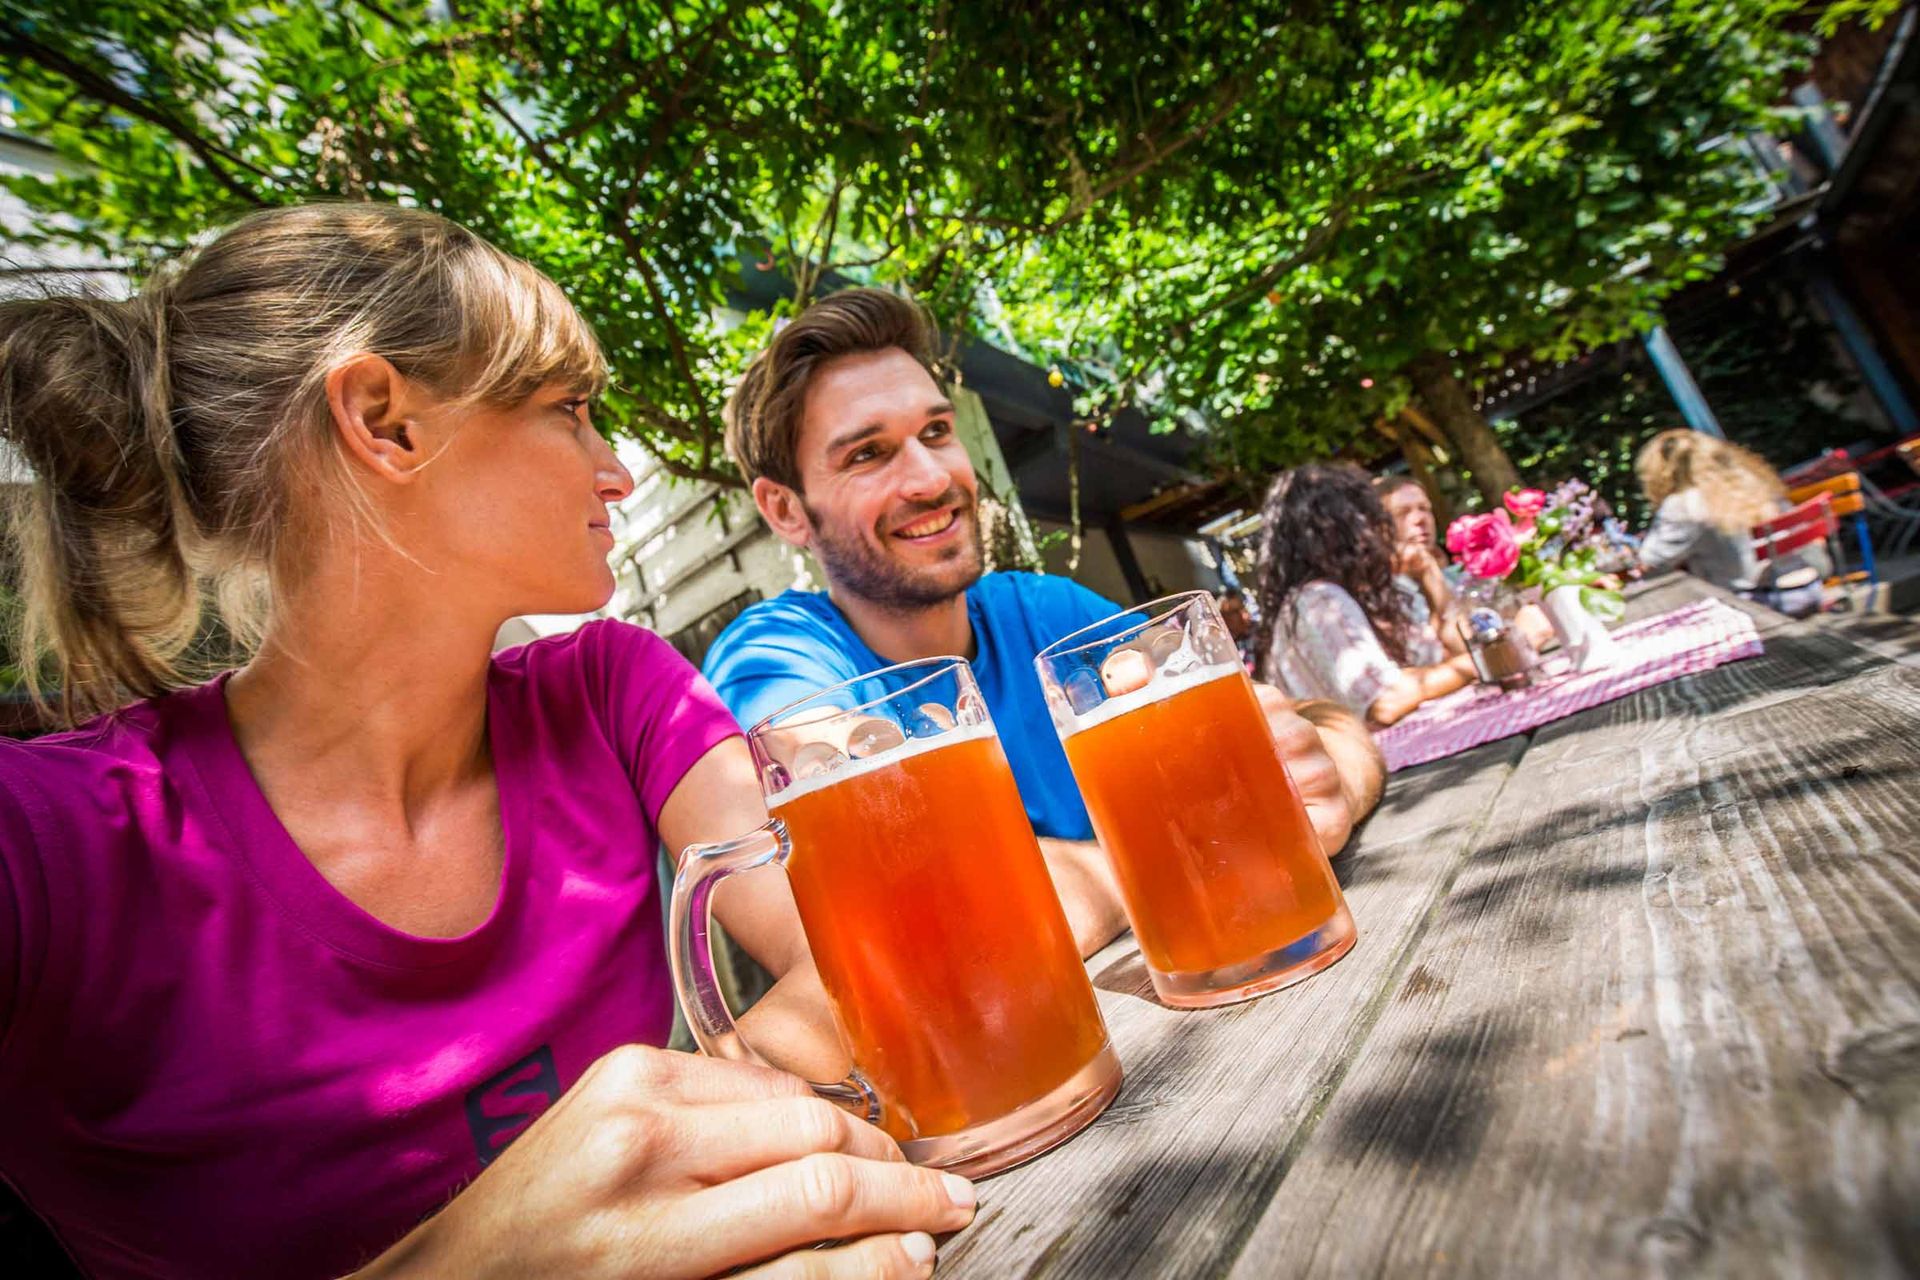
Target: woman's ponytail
x,y
108,596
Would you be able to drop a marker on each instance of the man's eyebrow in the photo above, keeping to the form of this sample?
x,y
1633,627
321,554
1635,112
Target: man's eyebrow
x,y
854,436
939,408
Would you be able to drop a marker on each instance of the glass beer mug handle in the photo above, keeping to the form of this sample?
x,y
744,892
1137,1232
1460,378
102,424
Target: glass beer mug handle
x,y
690,950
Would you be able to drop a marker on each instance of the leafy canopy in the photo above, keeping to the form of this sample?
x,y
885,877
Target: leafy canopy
x,y
1497,182
678,167
1249,218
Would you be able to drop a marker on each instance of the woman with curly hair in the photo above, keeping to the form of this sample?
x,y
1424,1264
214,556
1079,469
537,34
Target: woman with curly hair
x,y
1332,625
1708,494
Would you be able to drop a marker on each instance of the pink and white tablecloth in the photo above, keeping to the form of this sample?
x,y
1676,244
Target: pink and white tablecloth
x,y
1653,651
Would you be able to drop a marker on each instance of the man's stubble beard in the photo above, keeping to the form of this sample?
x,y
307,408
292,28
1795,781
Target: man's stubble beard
x,y
857,568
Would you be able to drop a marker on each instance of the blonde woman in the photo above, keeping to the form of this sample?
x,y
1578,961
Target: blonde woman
x,y
1708,493
289,957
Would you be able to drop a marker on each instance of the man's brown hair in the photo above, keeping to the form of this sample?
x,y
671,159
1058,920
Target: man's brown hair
x,y
1385,487
763,414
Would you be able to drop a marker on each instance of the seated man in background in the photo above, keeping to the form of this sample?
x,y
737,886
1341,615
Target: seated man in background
x,y
849,443
1420,565
1424,576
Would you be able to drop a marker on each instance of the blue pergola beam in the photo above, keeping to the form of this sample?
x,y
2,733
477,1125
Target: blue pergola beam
x,y
1680,383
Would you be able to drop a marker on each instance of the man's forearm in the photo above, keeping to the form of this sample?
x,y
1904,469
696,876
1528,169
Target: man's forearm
x,y
1083,877
792,1027
1362,769
1433,585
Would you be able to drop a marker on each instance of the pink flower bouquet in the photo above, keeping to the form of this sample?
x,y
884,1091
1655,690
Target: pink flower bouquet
x,y
1487,546
1525,504
1533,540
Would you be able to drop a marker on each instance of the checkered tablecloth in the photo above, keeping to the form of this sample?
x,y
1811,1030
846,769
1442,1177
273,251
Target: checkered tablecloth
x,y
1653,651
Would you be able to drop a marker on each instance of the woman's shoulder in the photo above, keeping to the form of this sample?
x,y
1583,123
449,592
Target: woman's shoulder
x,y
89,764
1323,593
1686,506
597,655
591,640
89,811
1324,587
622,678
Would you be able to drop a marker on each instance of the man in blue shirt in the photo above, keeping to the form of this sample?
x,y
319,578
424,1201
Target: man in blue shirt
x,y
849,443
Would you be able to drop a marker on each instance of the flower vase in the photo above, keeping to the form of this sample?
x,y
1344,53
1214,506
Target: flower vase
x,y
1583,637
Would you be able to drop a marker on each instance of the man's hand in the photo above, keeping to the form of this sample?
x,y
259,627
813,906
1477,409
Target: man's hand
x,y
1089,893
1415,559
1332,759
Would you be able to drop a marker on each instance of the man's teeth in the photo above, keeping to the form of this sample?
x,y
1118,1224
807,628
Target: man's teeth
x,y
932,524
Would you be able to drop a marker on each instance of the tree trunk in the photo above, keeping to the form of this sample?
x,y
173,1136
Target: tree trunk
x,y
1445,398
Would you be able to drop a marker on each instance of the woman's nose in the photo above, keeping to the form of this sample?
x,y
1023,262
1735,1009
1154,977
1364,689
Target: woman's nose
x,y
612,481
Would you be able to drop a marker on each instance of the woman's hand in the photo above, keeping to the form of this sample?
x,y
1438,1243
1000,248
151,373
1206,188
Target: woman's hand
x,y
1415,685
659,1165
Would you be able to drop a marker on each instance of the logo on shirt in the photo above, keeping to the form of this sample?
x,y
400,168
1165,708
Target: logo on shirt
x,y
500,1107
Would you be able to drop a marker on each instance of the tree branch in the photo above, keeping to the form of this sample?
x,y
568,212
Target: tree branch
x,y
659,419
65,271
644,77
703,471
670,110
104,90
621,230
680,180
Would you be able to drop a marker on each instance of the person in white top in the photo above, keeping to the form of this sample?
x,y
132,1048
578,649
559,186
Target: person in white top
x,y
1332,623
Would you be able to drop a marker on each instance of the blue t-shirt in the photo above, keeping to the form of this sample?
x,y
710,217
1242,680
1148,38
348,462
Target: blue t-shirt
x,y
781,650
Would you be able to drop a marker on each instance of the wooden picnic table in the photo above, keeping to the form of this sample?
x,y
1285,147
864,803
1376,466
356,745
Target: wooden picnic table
x,y
1635,994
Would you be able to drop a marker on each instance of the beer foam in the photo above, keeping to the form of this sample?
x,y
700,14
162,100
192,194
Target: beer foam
x,y
1160,688
854,767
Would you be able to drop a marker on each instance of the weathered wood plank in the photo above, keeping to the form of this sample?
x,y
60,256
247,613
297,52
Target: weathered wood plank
x,y
1892,637
1797,659
1666,1021
1169,1180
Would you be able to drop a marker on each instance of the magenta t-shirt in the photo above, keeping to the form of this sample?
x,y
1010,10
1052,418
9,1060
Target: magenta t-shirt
x,y
214,1064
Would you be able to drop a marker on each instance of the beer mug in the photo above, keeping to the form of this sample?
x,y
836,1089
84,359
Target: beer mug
x,y
1224,879
955,982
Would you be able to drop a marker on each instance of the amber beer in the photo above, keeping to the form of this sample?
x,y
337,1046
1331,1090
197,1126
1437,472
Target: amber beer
x,y
937,934
1216,858
1223,877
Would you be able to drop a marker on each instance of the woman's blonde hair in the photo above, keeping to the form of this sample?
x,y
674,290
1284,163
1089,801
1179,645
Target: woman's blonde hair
x,y
180,441
1738,487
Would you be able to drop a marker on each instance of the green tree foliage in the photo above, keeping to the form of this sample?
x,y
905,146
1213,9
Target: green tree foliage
x,y
1495,182
1764,363
668,163
1264,222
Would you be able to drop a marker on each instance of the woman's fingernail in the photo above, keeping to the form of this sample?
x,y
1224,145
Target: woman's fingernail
x,y
959,1190
918,1245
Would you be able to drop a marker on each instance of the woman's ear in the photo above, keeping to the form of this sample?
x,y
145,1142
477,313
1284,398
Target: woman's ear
x,y
371,404
785,514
